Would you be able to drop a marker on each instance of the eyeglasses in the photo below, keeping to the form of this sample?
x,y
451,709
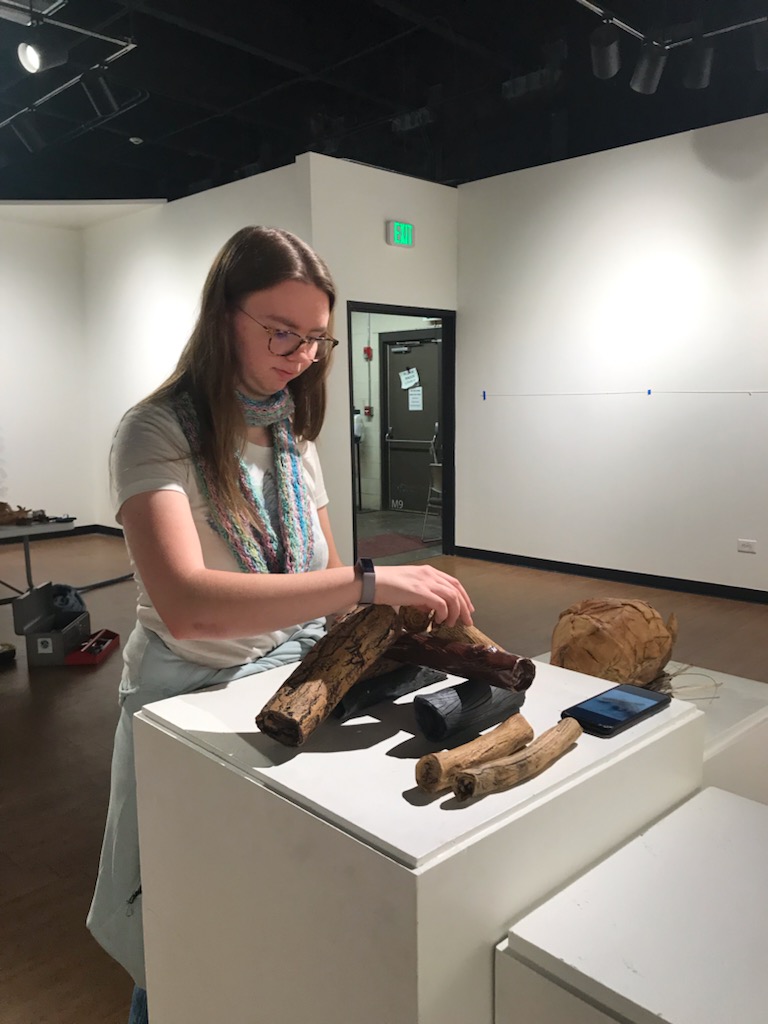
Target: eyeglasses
x,y
284,343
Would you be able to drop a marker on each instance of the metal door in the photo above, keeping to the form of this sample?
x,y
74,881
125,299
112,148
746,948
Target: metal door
x,y
412,404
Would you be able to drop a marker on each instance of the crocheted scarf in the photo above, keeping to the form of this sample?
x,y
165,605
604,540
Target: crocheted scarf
x,y
257,547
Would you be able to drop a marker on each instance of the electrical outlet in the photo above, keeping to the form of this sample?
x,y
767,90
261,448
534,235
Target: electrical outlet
x,y
747,547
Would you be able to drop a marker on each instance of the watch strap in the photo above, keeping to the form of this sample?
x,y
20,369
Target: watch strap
x,y
365,568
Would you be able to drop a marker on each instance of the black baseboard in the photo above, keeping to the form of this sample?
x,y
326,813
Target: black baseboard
x,y
109,531
619,576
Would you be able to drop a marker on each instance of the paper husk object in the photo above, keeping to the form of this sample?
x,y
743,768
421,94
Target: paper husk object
x,y
618,640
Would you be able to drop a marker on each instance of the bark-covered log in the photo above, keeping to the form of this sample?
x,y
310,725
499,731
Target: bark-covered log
x,y
472,705
508,771
434,772
463,635
370,691
328,671
488,664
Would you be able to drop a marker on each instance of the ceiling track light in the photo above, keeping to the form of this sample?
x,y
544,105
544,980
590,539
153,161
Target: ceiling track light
x,y
698,73
40,53
649,69
604,47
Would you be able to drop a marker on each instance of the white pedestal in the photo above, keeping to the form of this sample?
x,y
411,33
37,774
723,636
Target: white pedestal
x,y
670,929
320,885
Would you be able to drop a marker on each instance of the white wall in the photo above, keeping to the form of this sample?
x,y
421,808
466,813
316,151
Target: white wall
x,y
143,278
581,285
350,204
45,453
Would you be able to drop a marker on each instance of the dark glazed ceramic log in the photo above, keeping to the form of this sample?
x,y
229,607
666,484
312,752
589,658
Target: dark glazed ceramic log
x,y
468,706
369,692
472,661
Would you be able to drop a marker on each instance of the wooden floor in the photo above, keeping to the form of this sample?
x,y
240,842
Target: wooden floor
x,y
56,728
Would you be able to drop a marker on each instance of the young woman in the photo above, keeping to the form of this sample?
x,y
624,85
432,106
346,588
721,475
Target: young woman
x,y
217,485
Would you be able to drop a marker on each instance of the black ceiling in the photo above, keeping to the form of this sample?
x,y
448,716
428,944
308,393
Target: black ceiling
x,y
448,90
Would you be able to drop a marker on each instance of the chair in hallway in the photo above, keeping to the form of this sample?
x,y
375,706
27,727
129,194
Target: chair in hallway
x,y
434,499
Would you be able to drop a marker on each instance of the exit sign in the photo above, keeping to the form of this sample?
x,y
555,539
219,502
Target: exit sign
x,y
400,233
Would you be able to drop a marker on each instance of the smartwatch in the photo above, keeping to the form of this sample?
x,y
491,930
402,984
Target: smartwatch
x,y
365,569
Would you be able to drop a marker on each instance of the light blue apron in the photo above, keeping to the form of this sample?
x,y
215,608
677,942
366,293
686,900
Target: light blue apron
x,y
115,917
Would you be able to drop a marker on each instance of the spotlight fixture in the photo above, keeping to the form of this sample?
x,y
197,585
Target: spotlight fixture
x,y
649,69
699,70
604,46
24,127
760,46
39,53
101,96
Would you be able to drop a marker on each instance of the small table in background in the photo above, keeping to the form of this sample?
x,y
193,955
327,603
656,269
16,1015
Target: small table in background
x,y
24,533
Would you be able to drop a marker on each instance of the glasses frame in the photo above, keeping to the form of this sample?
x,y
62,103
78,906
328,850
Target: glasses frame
x,y
301,339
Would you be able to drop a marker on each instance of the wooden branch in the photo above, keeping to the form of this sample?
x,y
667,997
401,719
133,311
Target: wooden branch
x,y
434,772
464,635
472,661
327,672
538,755
467,707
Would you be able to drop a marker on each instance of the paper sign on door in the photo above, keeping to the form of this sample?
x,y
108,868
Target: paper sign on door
x,y
408,378
416,400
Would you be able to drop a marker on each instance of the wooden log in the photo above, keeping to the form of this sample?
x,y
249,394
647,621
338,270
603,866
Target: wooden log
x,y
434,772
472,661
508,771
467,707
368,692
327,672
463,634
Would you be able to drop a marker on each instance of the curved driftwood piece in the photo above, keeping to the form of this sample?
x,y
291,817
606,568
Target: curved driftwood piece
x,y
328,671
472,705
508,771
488,664
370,691
434,772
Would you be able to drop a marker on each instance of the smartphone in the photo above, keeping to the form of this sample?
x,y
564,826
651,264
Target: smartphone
x,y
616,709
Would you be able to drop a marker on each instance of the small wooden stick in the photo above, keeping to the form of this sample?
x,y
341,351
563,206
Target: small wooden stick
x,y
495,775
329,670
434,772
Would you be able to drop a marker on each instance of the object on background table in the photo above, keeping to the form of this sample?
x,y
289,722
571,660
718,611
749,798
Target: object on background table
x,y
619,640
7,654
493,776
435,772
20,516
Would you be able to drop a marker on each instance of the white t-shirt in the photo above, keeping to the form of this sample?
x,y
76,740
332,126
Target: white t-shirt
x,y
150,453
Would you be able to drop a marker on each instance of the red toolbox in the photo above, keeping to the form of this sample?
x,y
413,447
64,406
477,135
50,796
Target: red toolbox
x,y
94,649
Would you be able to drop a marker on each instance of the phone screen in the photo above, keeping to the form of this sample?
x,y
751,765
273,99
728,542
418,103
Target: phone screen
x,y
617,708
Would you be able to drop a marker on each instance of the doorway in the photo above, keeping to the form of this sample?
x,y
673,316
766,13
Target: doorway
x,y
402,385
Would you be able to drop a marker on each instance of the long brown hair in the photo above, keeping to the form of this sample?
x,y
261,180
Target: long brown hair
x,y
254,258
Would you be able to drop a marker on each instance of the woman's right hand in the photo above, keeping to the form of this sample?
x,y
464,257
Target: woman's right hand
x,y
426,588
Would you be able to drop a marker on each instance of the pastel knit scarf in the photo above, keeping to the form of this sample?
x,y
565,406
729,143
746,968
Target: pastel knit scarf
x,y
257,547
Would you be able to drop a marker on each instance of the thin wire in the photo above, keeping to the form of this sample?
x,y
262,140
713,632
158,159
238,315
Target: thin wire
x,y
591,394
